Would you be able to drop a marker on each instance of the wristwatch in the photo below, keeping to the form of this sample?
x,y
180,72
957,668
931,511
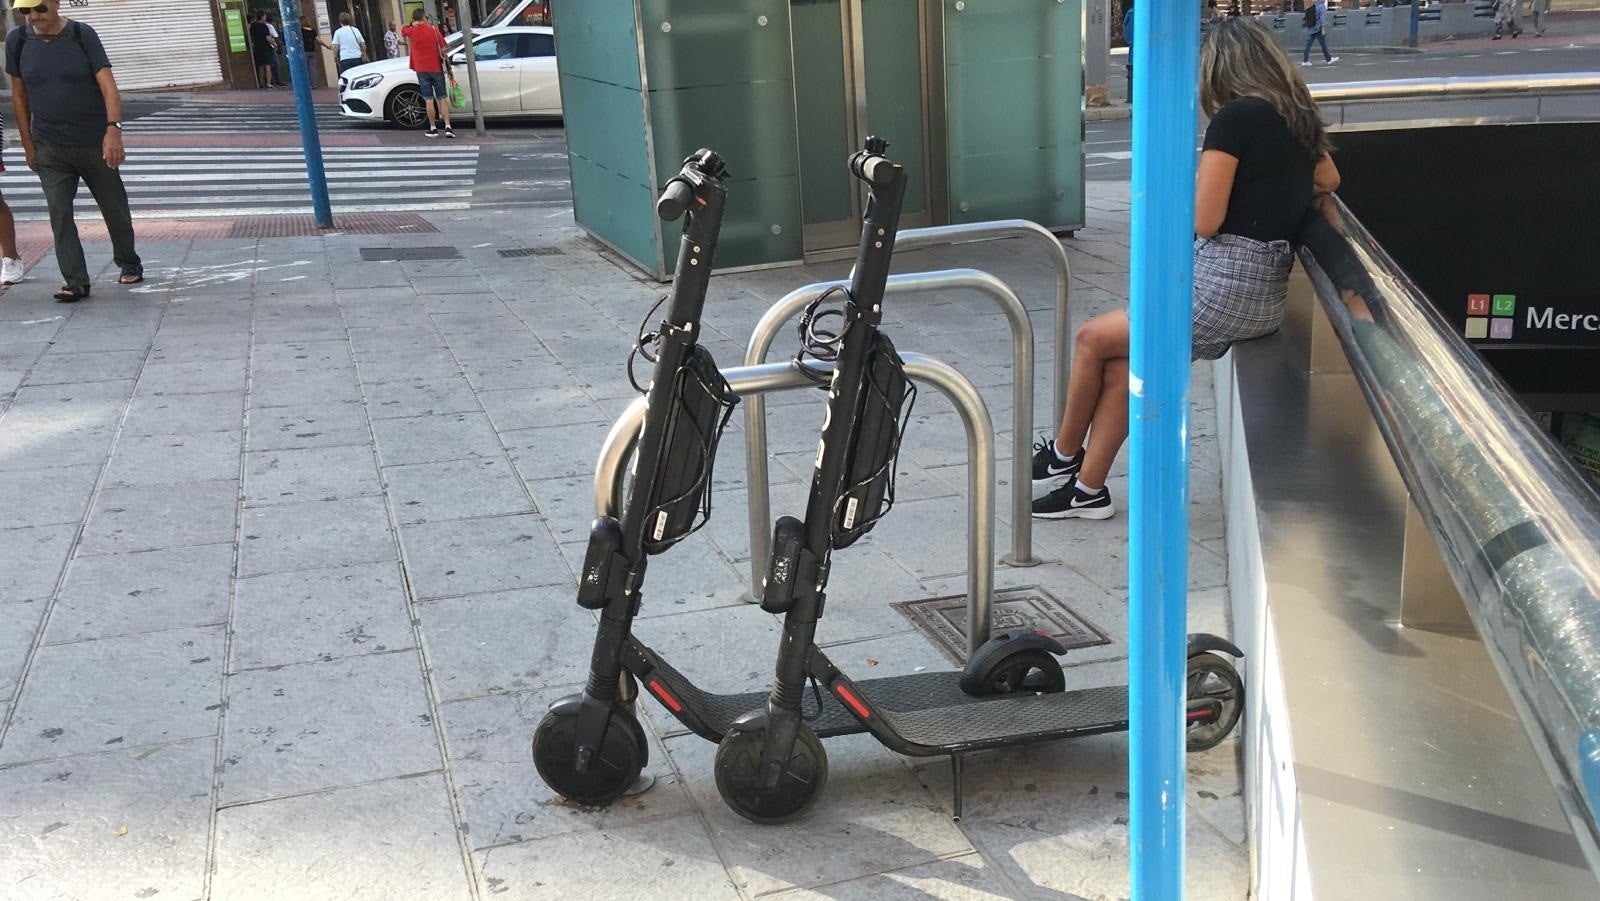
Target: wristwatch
x,y
116,125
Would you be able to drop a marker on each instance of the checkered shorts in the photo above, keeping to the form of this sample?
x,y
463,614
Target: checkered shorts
x,y
1239,289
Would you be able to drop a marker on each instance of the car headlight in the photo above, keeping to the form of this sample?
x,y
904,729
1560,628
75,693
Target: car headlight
x,y
366,81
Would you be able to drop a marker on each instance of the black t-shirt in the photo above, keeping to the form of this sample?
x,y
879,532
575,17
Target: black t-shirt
x,y
1272,186
260,36
64,100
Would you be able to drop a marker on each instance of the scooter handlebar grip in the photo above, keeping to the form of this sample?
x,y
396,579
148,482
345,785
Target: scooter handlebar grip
x,y
675,199
875,170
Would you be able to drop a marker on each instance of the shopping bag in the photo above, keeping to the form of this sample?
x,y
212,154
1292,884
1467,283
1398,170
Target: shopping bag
x,y
458,97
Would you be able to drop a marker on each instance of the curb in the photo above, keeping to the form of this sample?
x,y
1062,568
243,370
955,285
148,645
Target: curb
x,y
1108,113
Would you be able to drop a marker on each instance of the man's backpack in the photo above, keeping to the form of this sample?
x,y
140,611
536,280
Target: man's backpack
x,y
1311,16
22,35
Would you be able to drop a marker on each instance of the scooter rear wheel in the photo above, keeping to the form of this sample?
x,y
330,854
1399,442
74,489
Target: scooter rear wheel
x,y
738,770
1215,701
616,765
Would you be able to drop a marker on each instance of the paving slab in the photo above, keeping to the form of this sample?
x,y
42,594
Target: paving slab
x,y
125,824
313,534
159,687
149,591
313,726
320,614
377,842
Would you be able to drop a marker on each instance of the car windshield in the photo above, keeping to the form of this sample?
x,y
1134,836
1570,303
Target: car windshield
x,y
501,12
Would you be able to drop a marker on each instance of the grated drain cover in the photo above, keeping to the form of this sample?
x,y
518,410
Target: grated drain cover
x,y
533,252
394,254
944,619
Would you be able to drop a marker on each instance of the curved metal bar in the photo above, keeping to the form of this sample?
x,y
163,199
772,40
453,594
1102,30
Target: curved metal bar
x,y
1517,525
755,412
750,382
1456,86
999,229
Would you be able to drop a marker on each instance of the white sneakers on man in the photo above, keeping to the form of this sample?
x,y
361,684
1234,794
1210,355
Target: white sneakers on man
x,y
10,271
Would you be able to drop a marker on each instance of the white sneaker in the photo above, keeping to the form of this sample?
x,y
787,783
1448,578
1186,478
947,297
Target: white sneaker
x,y
10,271
1305,62
1333,60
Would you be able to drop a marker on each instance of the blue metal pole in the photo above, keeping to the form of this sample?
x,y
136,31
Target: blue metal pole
x,y
1166,60
1416,9
300,77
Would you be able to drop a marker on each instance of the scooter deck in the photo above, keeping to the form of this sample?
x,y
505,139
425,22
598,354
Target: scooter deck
x,y
928,711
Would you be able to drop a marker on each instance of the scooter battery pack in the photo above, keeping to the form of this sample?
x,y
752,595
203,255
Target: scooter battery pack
x,y
868,489
681,501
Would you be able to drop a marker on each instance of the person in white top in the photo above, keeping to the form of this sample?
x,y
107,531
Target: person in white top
x,y
277,52
352,46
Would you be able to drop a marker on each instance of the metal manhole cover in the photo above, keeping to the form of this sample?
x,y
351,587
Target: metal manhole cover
x,y
944,619
534,252
394,254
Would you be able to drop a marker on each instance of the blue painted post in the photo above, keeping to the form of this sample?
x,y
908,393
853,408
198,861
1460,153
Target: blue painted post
x,y
1162,265
300,77
1416,10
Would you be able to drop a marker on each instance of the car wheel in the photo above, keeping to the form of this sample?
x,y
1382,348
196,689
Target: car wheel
x,y
404,108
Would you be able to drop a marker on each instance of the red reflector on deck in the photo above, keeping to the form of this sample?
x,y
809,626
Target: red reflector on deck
x,y
660,691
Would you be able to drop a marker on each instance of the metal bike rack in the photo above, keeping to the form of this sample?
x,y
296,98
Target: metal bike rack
x,y
755,411
997,229
750,382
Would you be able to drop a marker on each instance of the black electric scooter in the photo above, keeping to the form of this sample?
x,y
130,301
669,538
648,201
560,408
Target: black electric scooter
x,y
770,765
590,747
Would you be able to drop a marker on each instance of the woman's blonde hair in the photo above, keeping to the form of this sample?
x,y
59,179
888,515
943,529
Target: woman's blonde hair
x,y
1240,58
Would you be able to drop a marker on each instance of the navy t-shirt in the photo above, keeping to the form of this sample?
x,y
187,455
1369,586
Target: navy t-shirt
x,y
63,99
1272,186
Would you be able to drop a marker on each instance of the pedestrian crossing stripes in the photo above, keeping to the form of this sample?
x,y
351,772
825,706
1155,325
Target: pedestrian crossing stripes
x,y
233,119
175,182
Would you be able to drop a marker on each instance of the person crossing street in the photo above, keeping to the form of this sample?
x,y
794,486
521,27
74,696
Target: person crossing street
x,y
69,116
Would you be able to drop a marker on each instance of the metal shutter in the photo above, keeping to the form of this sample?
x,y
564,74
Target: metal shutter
x,y
158,44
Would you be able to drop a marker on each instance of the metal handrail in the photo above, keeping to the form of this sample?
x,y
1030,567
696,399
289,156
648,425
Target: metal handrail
x,y
757,480
750,382
1516,523
1455,86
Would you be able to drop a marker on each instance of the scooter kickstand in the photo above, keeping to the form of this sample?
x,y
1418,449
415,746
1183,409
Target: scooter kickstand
x,y
955,785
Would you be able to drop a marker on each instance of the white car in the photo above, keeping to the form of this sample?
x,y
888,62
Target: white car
x,y
516,77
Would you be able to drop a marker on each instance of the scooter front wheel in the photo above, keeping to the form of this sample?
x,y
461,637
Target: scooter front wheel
x,y
738,770
1215,701
614,768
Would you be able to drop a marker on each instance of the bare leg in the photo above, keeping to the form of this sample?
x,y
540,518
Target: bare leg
x,y
431,106
8,231
1101,340
1110,427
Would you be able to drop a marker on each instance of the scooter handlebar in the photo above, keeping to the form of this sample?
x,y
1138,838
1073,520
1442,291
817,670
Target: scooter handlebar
x,y
675,199
681,192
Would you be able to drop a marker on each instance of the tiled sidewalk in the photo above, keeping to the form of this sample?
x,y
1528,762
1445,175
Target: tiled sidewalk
x,y
286,582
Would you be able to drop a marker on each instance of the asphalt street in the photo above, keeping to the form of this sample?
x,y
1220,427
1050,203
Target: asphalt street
x,y
523,162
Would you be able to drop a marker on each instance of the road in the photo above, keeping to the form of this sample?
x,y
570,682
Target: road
x,y
200,159
1108,144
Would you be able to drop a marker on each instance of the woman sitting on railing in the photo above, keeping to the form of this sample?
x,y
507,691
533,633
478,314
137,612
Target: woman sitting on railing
x,y
1265,158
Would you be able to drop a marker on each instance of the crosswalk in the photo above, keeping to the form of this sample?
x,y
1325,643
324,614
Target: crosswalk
x,y
172,182
235,119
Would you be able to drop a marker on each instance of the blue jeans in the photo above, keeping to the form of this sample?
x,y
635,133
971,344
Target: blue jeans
x,y
1321,38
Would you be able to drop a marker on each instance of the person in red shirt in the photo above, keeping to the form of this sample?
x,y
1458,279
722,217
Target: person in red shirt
x,y
428,60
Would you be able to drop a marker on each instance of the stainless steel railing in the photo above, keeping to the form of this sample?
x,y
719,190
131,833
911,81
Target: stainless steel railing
x,y
1517,525
1456,86
898,287
750,382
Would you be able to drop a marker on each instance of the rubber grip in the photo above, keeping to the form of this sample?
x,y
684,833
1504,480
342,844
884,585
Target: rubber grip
x,y
877,170
674,200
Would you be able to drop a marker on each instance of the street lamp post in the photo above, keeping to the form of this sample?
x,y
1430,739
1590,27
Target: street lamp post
x,y
472,67
305,112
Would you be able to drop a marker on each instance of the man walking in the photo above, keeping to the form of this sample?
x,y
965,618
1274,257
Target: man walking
x,y
352,46
1505,14
70,118
428,61
1317,32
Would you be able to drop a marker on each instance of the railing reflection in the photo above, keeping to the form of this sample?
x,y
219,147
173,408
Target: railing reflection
x,y
1517,524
